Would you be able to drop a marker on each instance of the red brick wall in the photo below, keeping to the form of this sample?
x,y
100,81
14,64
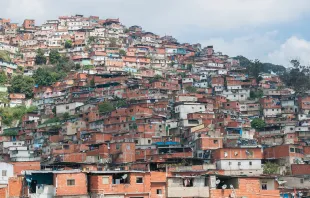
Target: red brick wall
x,y
3,192
74,157
18,167
96,185
15,187
248,187
300,169
80,187
210,143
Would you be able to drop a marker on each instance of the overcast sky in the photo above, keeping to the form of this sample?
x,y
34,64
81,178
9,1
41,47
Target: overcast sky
x,y
269,30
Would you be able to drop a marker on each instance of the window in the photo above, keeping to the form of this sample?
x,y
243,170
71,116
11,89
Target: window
x,y
70,182
301,181
118,146
105,180
149,141
139,180
159,191
67,107
4,173
227,105
250,163
239,163
264,186
229,163
292,150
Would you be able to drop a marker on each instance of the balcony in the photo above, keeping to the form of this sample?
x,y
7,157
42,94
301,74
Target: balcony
x,y
189,187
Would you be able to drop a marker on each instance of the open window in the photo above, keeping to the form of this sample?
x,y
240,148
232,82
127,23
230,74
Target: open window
x,y
120,178
188,182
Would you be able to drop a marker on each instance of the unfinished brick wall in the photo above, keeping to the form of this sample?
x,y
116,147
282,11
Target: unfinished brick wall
x,y
80,187
15,187
248,187
20,166
97,185
3,192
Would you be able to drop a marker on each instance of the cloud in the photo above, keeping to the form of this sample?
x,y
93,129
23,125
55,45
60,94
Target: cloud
x,y
255,46
292,48
166,16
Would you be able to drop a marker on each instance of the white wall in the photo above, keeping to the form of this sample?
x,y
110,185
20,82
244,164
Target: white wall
x,y
185,109
272,112
9,172
245,164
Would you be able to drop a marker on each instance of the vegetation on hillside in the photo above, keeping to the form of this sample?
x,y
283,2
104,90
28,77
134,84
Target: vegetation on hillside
x,y
10,114
22,84
4,56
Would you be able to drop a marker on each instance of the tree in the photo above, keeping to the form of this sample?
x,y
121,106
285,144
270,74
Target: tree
x,y
256,94
119,102
156,78
40,58
22,84
54,56
68,44
43,77
106,107
11,114
3,78
258,123
92,40
122,52
270,168
191,89
66,116
298,77
189,67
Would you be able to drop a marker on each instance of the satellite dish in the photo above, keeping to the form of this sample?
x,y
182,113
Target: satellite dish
x,y
218,181
224,186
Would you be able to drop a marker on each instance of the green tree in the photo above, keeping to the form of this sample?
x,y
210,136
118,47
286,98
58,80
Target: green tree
x,y
119,102
122,52
258,123
270,168
66,116
43,77
156,78
5,56
22,84
298,77
256,94
11,114
191,89
106,107
68,44
189,67
54,56
3,78
92,40
40,59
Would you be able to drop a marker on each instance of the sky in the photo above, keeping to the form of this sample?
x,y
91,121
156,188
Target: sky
x,y
273,31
